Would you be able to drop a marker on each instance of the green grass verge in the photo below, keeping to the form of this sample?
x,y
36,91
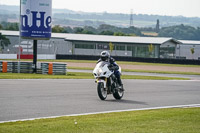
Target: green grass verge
x,y
161,72
78,75
81,68
70,75
142,71
176,120
155,64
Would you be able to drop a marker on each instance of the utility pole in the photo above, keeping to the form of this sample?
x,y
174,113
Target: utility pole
x,y
157,26
131,18
19,50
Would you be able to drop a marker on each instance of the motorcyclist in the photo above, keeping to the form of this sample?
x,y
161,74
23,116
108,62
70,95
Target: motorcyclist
x,y
105,56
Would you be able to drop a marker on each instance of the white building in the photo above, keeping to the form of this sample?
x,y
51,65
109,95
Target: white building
x,y
84,44
184,50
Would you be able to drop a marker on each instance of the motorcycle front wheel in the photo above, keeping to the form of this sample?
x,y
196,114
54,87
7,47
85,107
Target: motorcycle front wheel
x,y
102,92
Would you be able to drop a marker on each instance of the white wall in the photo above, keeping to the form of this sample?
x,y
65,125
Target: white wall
x,y
186,52
8,56
39,56
46,56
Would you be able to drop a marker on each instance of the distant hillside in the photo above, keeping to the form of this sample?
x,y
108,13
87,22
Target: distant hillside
x,y
71,18
9,8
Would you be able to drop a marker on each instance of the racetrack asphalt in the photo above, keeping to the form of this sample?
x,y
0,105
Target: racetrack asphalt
x,y
24,99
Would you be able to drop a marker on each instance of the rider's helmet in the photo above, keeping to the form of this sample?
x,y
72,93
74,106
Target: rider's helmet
x,y
104,55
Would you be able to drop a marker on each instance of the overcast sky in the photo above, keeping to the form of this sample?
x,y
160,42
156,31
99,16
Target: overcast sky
x,y
188,8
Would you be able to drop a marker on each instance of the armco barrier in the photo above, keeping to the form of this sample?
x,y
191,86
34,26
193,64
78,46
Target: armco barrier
x,y
54,68
26,67
6,67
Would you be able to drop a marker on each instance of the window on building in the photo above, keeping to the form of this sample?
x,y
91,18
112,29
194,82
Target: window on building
x,y
84,46
103,46
120,47
142,51
129,48
167,52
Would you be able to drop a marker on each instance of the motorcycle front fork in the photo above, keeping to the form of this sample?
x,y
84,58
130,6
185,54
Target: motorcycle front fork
x,y
103,80
111,85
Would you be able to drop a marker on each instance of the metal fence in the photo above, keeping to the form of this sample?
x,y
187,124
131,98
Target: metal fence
x,y
42,68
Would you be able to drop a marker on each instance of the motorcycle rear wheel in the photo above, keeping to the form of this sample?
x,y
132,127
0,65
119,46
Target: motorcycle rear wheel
x,y
118,94
102,92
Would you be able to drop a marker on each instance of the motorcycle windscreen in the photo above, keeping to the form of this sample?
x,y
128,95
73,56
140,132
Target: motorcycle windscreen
x,y
102,64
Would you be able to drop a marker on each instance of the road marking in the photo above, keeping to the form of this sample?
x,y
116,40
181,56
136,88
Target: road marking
x,y
104,112
191,80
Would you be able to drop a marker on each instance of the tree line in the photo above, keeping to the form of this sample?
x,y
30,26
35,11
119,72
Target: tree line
x,y
180,32
9,26
103,29
3,41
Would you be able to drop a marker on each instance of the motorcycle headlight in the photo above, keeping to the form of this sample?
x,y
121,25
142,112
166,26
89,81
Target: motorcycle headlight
x,y
99,72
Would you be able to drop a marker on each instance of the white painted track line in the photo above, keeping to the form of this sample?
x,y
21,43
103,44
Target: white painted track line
x,y
113,111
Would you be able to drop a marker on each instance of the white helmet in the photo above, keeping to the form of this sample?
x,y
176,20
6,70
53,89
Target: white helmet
x,y
104,55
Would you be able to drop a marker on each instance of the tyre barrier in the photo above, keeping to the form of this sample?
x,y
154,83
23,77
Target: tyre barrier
x,y
27,67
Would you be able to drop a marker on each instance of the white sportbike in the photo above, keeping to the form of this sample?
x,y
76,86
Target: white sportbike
x,y
107,81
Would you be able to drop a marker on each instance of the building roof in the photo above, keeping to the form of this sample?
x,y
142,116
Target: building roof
x,y
103,38
190,42
118,39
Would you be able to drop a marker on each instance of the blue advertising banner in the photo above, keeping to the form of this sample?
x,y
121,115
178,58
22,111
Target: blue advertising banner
x,y
36,19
